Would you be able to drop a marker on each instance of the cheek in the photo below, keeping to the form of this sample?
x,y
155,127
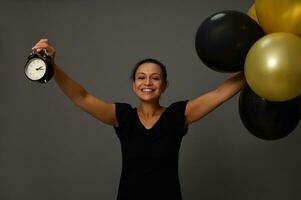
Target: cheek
x,y
159,85
162,87
136,85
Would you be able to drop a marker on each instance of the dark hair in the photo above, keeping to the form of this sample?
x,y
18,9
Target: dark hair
x,y
150,60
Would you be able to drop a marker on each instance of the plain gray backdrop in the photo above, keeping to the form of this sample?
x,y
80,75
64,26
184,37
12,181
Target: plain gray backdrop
x,y
52,150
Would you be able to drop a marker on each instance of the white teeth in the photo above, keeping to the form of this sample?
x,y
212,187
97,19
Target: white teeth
x,y
147,90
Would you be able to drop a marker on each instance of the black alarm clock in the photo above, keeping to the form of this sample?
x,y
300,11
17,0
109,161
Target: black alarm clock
x,y
39,67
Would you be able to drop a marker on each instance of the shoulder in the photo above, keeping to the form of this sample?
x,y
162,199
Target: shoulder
x,y
178,108
178,105
123,112
122,106
178,115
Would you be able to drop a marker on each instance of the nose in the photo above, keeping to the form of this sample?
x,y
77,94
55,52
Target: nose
x,y
148,81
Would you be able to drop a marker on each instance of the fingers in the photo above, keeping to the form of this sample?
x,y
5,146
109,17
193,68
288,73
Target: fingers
x,y
44,40
42,44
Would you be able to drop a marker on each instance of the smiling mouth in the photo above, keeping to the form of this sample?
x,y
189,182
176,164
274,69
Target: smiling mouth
x,y
147,90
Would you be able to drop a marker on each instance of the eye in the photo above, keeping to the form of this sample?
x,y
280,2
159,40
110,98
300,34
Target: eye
x,y
140,78
156,78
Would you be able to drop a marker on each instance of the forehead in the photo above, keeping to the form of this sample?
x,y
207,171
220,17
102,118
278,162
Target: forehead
x,y
149,68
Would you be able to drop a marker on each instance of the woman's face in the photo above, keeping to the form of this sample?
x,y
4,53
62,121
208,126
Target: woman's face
x,y
149,84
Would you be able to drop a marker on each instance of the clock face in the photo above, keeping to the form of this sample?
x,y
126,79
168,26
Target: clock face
x,y
35,69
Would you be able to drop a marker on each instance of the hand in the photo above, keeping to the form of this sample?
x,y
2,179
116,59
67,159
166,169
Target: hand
x,y
42,45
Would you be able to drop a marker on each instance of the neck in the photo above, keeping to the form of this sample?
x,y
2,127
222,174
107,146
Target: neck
x,y
149,109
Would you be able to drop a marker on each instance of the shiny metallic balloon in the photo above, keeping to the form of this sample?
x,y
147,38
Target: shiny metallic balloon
x,y
252,13
273,67
279,15
224,38
266,119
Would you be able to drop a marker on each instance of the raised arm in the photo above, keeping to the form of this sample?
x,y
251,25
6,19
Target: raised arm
x,y
204,104
101,110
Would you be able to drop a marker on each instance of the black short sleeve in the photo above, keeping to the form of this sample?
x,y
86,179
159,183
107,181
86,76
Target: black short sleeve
x,y
122,113
178,113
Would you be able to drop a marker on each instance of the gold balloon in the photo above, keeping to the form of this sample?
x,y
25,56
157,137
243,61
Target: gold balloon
x,y
279,15
273,67
252,13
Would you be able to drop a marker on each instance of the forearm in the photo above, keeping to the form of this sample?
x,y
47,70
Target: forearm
x,y
69,87
231,86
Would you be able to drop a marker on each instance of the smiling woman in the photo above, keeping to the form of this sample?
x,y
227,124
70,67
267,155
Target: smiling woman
x,y
150,134
149,79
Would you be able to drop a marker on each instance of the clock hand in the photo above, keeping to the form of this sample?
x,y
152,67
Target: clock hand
x,y
40,68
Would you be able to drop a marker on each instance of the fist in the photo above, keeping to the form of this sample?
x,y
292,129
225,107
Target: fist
x,y
43,45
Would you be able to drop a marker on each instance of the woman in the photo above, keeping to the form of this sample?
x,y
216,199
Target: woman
x,y
150,134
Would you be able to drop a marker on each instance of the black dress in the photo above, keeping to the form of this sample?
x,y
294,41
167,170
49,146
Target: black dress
x,y
150,156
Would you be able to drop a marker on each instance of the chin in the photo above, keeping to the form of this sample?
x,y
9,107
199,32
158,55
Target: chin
x,y
148,99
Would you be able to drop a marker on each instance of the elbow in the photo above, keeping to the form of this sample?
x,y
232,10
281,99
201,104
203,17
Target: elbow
x,y
79,99
223,95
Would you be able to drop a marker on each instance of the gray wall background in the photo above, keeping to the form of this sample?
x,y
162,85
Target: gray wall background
x,y
51,150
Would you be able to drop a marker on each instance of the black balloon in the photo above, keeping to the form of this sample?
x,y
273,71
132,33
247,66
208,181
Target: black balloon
x,y
224,39
265,119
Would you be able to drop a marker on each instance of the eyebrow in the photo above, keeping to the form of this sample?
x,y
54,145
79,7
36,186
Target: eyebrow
x,y
151,74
